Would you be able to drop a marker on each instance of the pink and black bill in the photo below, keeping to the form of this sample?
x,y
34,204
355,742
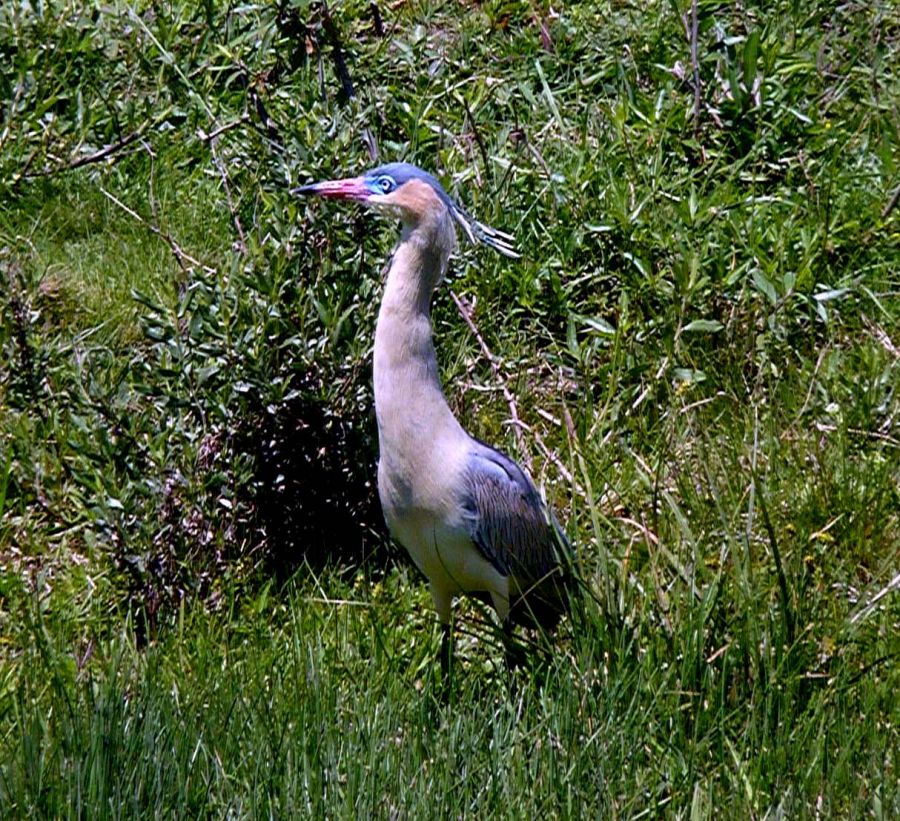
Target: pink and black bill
x,y
351,188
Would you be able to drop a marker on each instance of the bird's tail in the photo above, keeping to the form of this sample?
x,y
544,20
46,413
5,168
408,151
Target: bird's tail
x,y
547,599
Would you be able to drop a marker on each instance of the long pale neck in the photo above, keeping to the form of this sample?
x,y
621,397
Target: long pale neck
x,y
409,402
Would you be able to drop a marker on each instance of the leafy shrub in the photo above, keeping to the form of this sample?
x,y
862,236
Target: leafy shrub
x,y
694,225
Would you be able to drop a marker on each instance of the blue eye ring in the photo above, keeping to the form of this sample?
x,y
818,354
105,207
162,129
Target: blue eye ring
x,y
385,184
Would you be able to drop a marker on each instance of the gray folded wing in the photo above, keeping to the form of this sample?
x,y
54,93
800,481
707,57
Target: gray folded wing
x,y
513,528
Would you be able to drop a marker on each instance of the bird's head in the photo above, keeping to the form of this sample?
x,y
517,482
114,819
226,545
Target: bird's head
x,y
412,195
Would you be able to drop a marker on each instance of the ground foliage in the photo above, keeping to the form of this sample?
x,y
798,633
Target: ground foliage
x,y
701,341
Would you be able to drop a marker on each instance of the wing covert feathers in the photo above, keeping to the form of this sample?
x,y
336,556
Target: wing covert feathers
x,y
515,531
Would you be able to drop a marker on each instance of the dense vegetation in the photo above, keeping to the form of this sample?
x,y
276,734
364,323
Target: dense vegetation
x,y
200,612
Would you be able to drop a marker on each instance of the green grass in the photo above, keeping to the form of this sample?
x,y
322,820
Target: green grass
x,y
296,704
199,611
86,256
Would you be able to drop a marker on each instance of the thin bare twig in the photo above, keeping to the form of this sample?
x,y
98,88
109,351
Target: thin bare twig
x,y
539,157
495,366
891,203
649,536
97,156
893,584
181,256
868,434
881,335
515,420
552,457
812,381
475,133
204,137
235,218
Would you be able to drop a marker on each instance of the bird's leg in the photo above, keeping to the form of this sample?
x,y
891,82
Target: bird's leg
x,y
513,653
507,645
446,685
443,602
446,652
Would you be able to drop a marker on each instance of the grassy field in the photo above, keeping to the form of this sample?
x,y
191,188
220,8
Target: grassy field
x,y
200,612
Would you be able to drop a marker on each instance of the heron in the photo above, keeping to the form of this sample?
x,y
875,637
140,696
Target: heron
x,y
469,516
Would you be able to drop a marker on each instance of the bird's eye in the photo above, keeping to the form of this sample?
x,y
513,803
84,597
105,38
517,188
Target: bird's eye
x,y
386,184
